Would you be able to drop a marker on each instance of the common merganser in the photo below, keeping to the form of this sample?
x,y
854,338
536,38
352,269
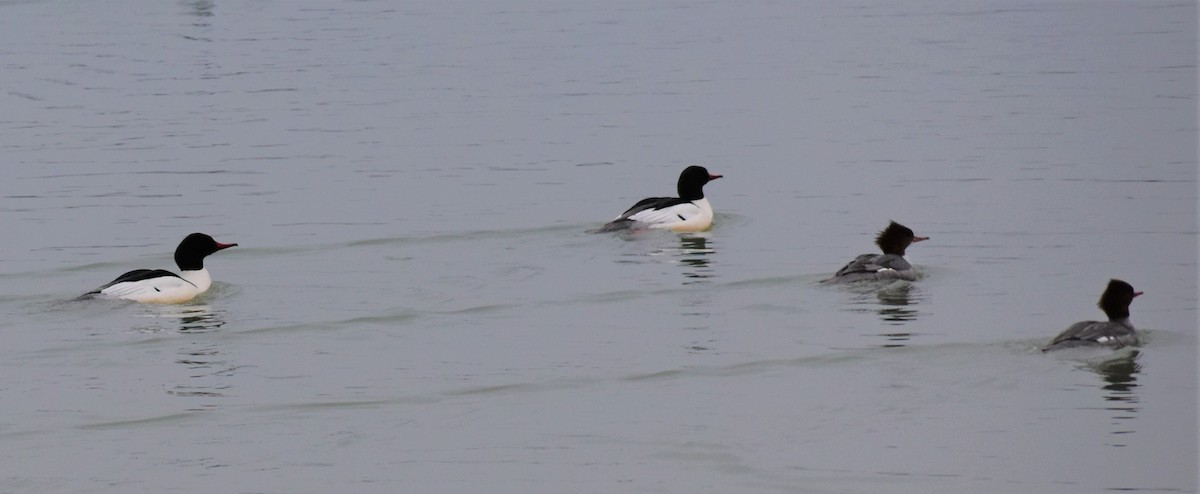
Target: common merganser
x,y
891,265
690,212
1116,332
164,287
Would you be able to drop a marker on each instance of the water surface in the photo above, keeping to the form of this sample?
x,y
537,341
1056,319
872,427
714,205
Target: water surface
x,y
414,304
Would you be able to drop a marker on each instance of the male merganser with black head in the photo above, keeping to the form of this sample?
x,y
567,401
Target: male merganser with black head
x,y
162,286
690,212
1115,333
891,265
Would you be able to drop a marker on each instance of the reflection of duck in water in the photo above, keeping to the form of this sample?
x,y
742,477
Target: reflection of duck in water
x,y
1120,374
1119,371
690,212
199,320
694,252
891,265
896,303
200,8
1116,332
182,318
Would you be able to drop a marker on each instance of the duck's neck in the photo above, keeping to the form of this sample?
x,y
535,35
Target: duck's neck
x,y
1117,314
198,277
689,193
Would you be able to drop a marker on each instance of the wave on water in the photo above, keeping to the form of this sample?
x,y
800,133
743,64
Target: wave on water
x,y
169,419
772,281
918,359
381,318
461,236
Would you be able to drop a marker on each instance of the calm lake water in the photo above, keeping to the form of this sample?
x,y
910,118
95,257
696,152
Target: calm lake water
x,y
415,307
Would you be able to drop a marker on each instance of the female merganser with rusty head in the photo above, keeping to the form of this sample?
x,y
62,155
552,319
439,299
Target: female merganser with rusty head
x,y
164,287
891,265
1116,332
690,212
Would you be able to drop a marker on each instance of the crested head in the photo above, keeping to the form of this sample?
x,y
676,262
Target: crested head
x,y
190,254
692,180
1116,299
896,238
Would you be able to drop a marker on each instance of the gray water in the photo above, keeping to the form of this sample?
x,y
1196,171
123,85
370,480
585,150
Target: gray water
x,y
415,307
